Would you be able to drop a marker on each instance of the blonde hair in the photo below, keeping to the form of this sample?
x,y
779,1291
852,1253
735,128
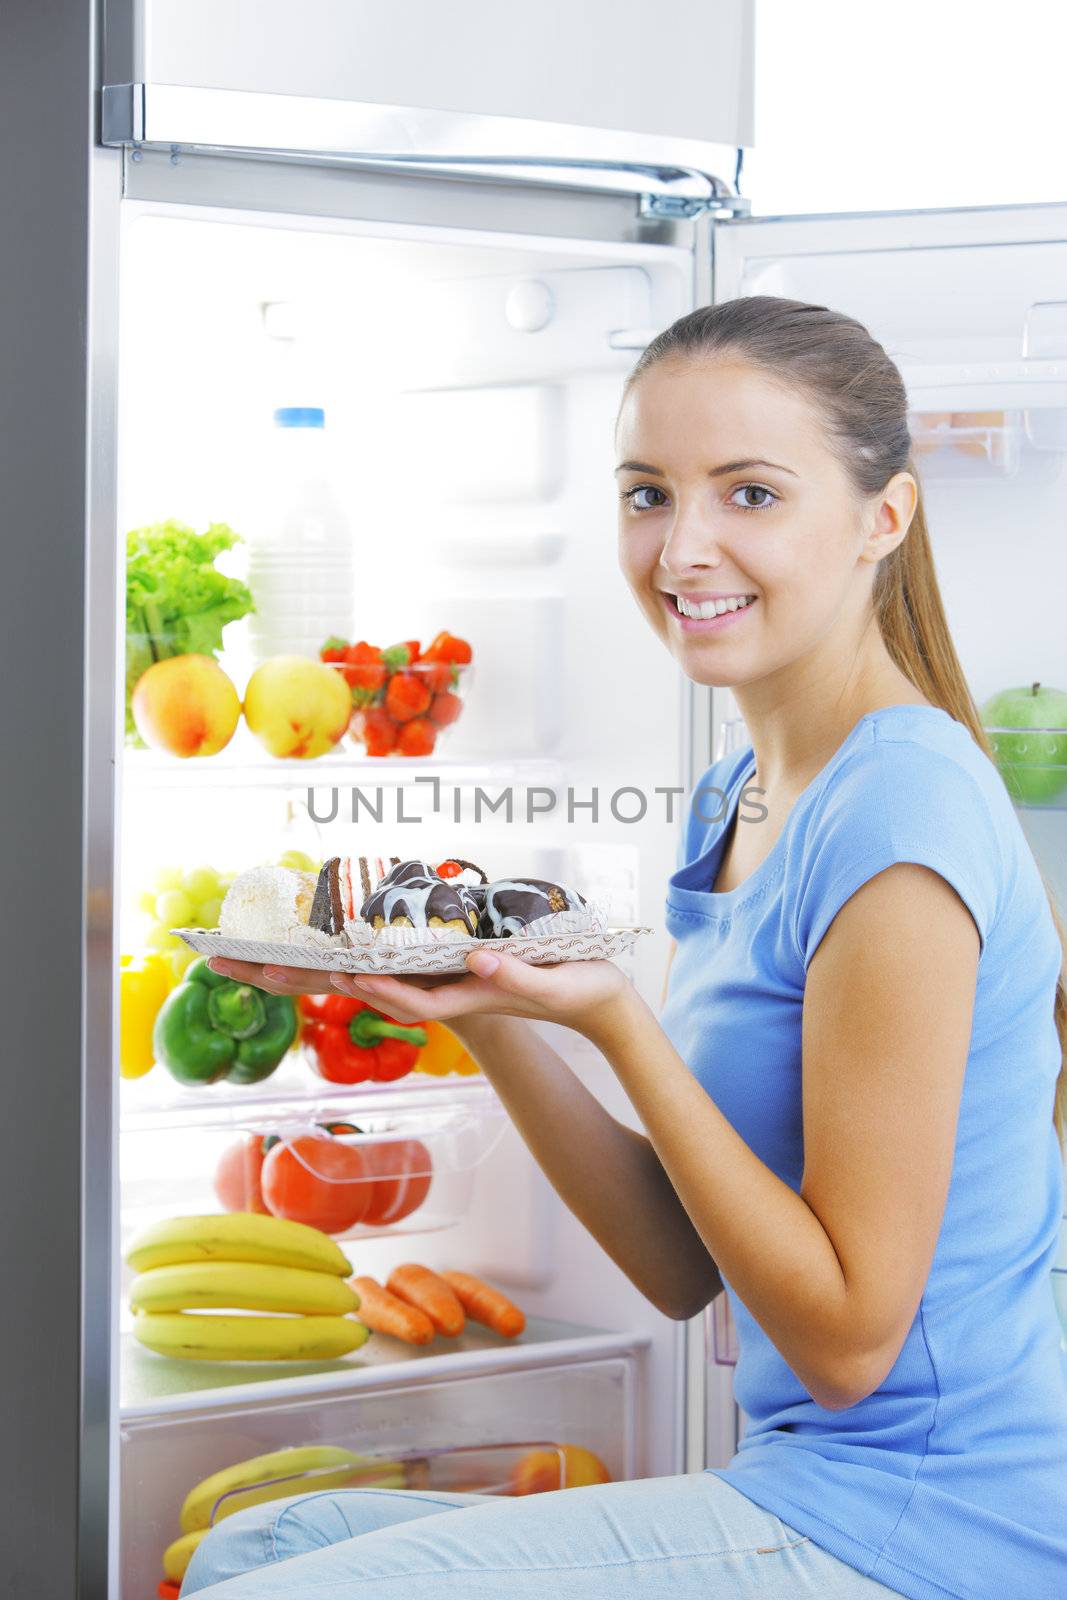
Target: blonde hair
x,y
861,393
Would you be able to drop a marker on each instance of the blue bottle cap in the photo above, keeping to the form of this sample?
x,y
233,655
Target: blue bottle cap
x,y
300,417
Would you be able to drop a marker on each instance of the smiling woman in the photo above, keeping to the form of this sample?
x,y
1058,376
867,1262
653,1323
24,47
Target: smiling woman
x,y
848,1099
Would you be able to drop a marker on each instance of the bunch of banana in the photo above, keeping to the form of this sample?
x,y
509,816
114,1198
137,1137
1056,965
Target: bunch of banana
x,y
274,1476
242,1262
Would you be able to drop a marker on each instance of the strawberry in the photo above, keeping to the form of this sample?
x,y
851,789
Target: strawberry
x,y
445,708
416,737
365,672
378,731
406,696
448,647
334,649
436,675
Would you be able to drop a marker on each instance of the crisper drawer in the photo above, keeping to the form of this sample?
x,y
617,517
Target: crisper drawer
x,y
486,1430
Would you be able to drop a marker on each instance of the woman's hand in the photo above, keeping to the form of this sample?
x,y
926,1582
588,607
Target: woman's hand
x,y
576,994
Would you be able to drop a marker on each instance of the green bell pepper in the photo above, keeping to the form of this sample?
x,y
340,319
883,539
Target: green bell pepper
x,y
211,1027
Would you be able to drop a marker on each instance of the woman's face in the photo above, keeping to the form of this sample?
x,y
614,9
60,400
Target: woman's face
x,y
728,488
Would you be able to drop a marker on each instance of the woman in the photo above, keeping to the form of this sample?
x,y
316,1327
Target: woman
x,y
849,1097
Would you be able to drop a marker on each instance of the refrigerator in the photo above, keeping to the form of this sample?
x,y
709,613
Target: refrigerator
x,y
455,236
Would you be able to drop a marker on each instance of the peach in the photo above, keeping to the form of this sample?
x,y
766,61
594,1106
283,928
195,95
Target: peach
x,y
297,707
186,705
539,1470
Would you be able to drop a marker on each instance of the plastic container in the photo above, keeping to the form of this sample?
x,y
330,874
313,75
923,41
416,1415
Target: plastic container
x,y
410,1167
375,732
468,1432
301,561
1033,764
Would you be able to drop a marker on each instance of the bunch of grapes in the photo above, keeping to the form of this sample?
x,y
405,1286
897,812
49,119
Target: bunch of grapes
x,y
179,899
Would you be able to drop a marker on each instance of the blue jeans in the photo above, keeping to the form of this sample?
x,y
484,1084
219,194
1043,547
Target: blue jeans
x,y
693,1537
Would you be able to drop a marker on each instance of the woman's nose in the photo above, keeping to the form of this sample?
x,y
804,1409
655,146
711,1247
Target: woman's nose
x,y
692,541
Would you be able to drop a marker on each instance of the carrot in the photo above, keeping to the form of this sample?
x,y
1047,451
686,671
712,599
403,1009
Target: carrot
x,y
487,1305
386,1313
423,1288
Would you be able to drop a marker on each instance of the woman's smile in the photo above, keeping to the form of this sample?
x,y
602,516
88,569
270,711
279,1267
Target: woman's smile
x,y
701,613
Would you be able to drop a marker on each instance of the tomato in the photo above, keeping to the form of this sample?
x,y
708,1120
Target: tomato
x,y
403,1172
317,1180
237,1175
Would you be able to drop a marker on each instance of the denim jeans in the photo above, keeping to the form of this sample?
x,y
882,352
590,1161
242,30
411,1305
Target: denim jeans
x,y
693,1537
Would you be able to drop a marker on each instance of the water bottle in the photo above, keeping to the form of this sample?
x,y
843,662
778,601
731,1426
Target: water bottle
x,y
301,564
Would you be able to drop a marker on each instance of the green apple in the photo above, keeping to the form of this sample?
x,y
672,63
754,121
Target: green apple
x,y
1033,763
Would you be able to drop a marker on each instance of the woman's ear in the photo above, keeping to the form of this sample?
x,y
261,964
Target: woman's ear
x,y
893,512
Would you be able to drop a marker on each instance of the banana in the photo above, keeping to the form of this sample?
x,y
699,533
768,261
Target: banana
x,y
278,1475
177,1556
236,1236
189,1336
241,1286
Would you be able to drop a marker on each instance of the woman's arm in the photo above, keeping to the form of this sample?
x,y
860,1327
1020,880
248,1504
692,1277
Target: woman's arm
x,y
835,1273
608,1175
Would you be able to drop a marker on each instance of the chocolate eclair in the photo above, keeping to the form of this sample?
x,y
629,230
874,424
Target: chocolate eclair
x,y
412,895
509,906
344,881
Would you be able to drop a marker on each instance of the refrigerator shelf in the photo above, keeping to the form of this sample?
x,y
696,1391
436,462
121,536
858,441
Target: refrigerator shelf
x,y
294,1091
249,768
155,1386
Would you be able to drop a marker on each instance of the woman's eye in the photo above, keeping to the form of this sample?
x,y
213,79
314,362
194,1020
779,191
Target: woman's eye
x,y
753,505
637,499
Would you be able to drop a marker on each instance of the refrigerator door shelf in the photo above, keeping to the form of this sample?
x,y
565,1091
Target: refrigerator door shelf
x,y
985,386
1033,764
448,1422
678,175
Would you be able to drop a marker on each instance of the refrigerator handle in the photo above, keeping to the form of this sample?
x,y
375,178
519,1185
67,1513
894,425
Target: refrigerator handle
x,y
672,178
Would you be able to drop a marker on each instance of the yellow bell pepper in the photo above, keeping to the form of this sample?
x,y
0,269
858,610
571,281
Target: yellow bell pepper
x,y
443,1053
144,983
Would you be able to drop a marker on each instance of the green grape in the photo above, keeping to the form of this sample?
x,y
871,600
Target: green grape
x,y
207,913
202,883
146,902
160,937
298,861
167,878
174,908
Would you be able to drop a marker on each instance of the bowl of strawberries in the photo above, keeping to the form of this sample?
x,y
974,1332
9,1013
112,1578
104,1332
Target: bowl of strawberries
x,y
404,698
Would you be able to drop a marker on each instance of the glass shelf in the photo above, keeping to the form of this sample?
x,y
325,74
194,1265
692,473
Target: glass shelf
x,y
985,385
152,1385
245,765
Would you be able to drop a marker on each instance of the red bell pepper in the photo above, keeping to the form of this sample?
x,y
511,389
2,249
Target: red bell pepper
x,y
350,1042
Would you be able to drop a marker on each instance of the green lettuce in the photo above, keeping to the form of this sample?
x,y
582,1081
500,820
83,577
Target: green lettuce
x,y
177,601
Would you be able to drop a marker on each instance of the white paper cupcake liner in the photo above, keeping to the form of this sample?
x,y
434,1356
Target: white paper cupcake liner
x,y
442,956
362,936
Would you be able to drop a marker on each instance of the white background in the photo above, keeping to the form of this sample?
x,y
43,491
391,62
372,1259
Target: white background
x,y
909,105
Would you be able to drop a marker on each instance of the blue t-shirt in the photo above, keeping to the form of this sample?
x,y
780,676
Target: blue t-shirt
x,y
951,1478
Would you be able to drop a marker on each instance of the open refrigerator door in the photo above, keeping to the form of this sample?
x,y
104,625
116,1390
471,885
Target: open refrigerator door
x,y
969,304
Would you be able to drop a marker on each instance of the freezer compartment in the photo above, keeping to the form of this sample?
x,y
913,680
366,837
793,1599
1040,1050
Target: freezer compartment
x,y
354,1166
486,1432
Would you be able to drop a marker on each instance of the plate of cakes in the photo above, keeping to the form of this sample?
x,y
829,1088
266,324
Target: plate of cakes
x,y
382,914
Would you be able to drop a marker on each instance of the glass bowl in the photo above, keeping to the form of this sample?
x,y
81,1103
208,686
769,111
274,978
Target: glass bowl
x,y
411,712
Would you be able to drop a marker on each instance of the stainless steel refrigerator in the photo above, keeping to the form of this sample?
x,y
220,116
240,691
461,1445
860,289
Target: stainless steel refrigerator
x,y
474,223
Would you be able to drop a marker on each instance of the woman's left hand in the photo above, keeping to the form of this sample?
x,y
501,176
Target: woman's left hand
x,y
576,994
